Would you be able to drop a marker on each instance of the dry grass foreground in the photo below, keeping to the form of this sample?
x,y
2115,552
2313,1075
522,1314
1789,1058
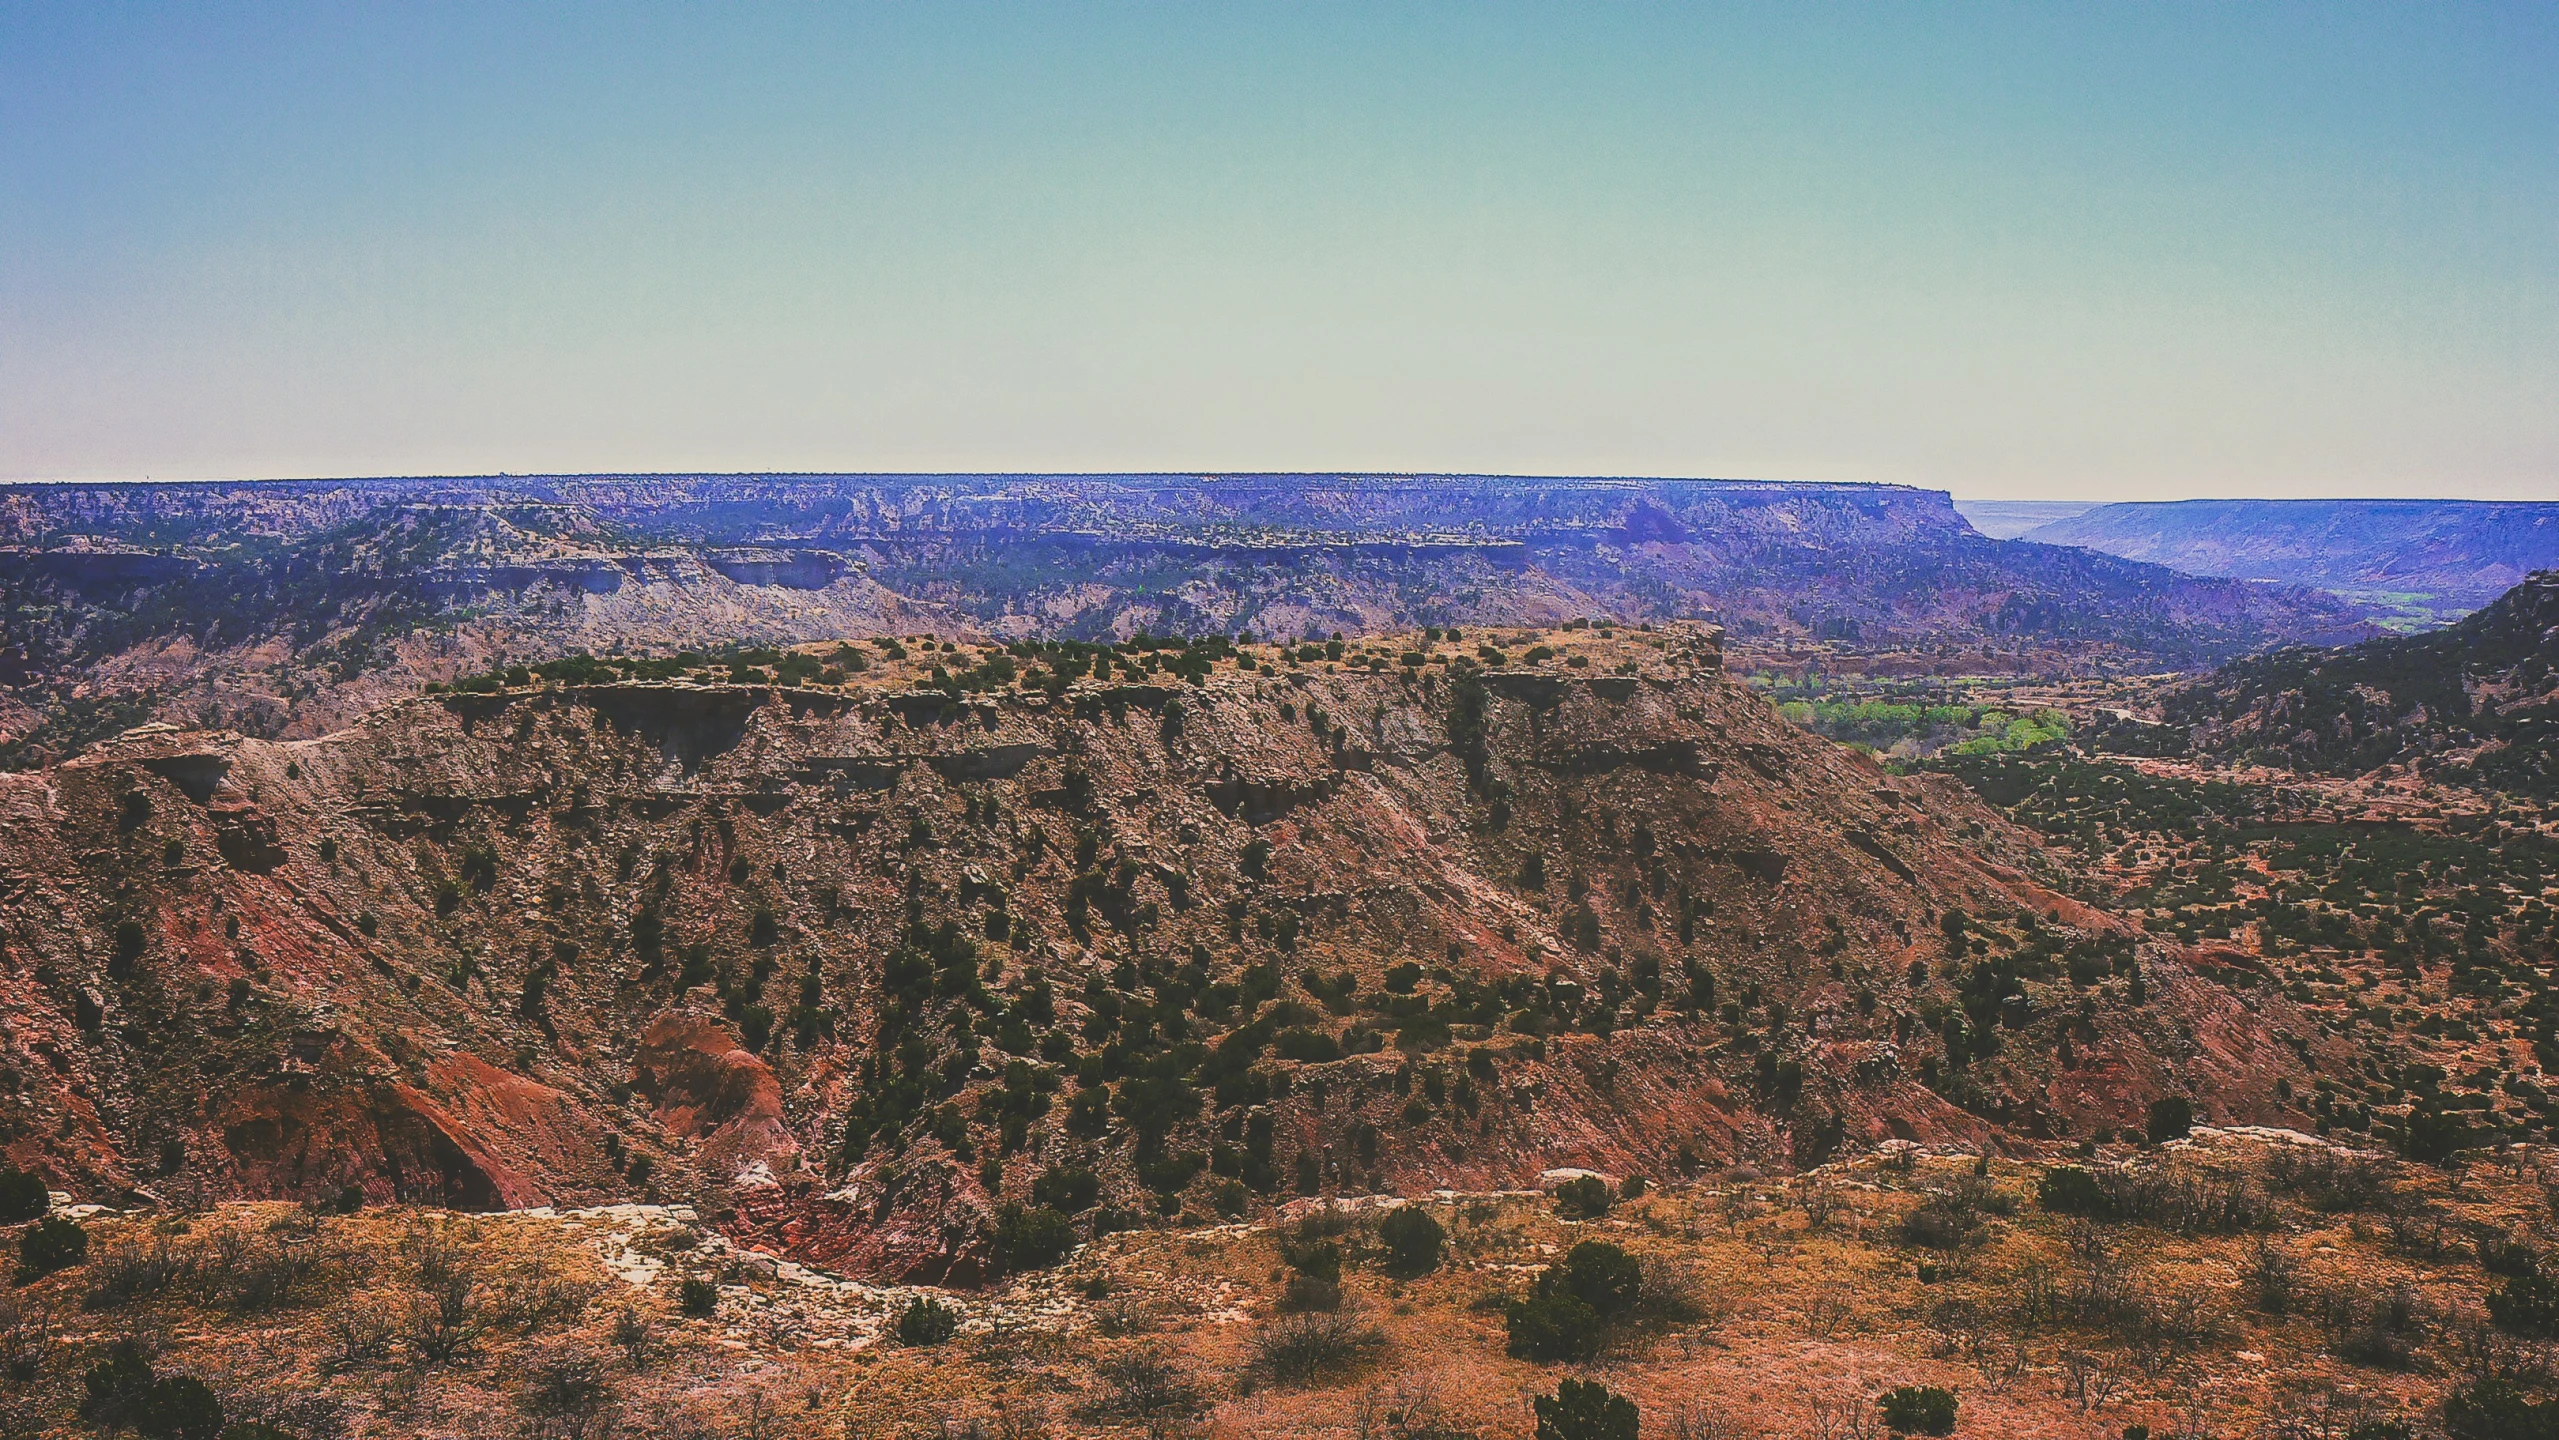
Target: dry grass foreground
x,y
2265,1285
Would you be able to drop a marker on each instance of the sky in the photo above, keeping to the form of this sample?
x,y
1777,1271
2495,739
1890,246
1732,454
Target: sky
x,y
2074,252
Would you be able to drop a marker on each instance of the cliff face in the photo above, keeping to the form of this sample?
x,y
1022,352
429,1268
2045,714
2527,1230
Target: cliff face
x,y
858,964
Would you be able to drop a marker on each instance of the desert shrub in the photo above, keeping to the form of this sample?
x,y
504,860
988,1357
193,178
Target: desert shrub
x,y
359,1330
1413,1240
1918,1410
134,1272
2526,1305
2326,1181
546,1300
2494,1408
2508,1255
1143,1386
26,1334
1066,1188
178,1407
1584,1197
1669,1291
1297,1349
1939,1223
2433,1135
1634,1188
1553,1326
450,1317
926,1321
635,1337
51,1244
2172,1117
1031,1238
2069,1190
1585,1410
113,1388
568,1398
253,1430
697,1298
1566,1316
23,1197
1601,1276
2376,1329
2271,1276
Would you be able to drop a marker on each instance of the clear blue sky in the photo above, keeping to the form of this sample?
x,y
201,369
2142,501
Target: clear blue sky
x,y
2057,251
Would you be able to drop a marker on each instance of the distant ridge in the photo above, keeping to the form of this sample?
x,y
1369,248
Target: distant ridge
x,y
2432,561
2008,519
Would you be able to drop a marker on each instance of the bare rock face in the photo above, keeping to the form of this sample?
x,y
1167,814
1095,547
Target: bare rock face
x,y
862,968
710,1091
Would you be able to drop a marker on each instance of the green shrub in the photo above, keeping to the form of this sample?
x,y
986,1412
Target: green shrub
x,y
2434,1135
2526,1305
51,1244
2494,1409
1031,1238
2069,1190
1552,1326
2172,1117
1567,1315
1584,1197
178,1407
697,1298
1919,1410
1412,1240
1601,1276
926,1321
22,1196
1066,1188
1585,1410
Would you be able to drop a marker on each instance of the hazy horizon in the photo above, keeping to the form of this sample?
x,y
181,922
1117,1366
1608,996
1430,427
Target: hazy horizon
x,y
2007,252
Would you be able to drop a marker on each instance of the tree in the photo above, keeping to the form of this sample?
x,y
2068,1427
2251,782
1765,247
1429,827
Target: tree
x,y
1585,1410
1412,1239
1919,1410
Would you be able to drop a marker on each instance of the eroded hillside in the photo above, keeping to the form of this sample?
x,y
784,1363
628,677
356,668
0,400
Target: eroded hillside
x,y
894,966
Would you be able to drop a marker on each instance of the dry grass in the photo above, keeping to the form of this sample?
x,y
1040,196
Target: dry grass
x,y
1766,1316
